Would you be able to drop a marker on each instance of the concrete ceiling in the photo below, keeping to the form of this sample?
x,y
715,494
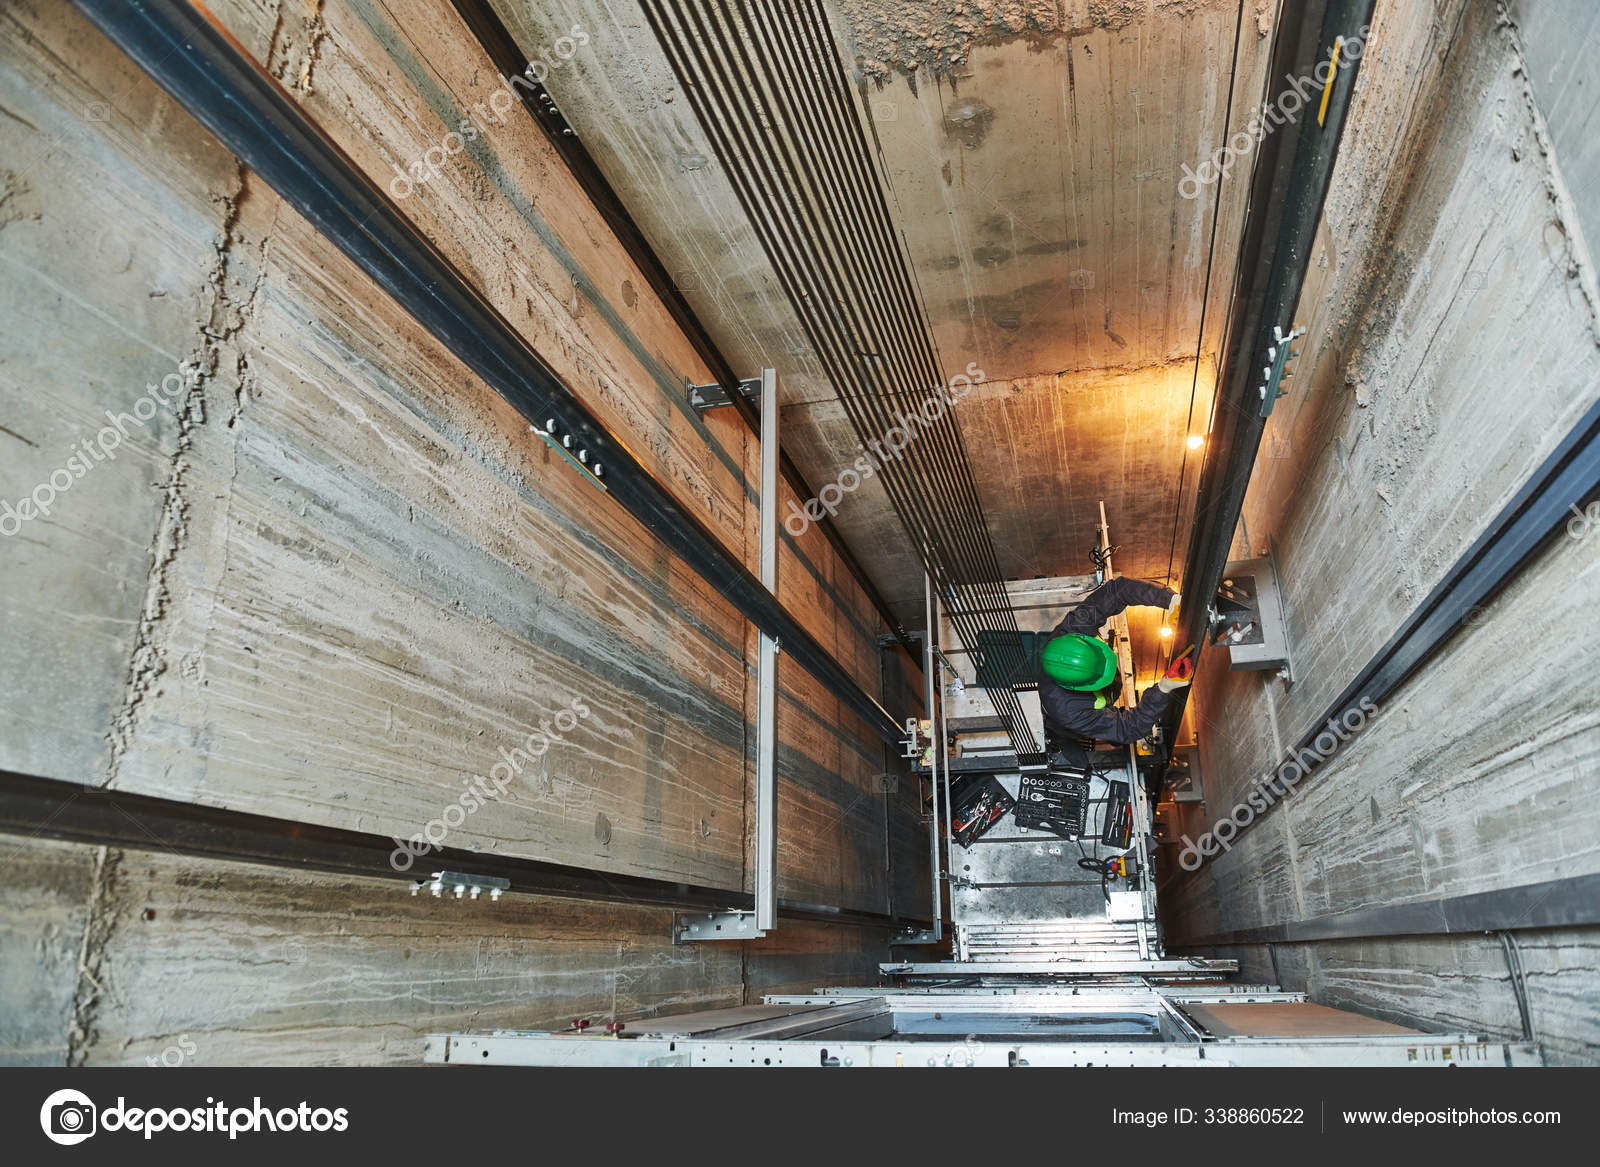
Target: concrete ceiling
x,y
1036,169
1031,152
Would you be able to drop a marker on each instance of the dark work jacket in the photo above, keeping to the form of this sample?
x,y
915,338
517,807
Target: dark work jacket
x,y
1069,714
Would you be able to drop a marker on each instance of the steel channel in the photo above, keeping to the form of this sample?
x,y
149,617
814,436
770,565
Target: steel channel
x,y
766,874
928,684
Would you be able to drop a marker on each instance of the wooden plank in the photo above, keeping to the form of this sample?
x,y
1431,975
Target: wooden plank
x,y
1287,1019
389,82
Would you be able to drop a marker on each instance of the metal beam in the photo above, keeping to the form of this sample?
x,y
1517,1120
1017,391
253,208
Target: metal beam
x,y
930,685
47,808
1568,478
203,68
1193,966
1418,1050
766,875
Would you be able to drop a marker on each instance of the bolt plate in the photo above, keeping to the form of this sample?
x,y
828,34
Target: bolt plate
x,y
687,926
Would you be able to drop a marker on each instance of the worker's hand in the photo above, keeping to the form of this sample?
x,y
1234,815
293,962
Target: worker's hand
x,y
1172,606
1179,673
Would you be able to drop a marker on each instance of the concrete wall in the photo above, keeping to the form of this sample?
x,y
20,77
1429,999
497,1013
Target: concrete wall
x,y
1453,342
328,575
115,957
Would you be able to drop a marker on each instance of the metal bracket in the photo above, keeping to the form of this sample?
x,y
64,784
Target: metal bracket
x,y
925,936
733,925
715,395
544,105
576,454
462,884
1272,374
918,739
1251,625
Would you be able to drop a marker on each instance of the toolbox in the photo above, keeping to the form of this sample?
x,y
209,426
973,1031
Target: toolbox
x,y
1055,800
976,804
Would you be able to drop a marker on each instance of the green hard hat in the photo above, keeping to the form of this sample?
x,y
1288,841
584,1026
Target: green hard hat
x,y
1074,661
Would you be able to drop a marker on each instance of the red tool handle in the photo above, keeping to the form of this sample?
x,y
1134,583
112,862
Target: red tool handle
x,y
1182,666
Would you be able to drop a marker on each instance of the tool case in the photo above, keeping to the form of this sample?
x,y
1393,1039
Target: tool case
x,y
976,804
1055,800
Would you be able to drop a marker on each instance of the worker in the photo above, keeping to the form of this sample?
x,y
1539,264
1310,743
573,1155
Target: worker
x,y
1079,668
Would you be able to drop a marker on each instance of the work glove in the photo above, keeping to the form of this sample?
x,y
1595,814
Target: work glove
x,y
1179,673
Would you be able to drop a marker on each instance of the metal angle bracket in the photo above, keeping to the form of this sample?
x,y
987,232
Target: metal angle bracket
x,y
733,925
1273,375
575,454
460,884
715,396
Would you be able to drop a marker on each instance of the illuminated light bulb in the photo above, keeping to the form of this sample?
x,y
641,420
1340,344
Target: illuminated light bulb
x,y
1196,441
1166,630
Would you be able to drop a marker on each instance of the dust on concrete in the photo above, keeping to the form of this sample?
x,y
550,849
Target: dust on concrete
x,y
909,37
916,38
968,122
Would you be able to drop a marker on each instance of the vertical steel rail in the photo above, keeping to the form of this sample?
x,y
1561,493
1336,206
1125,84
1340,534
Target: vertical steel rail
x,y
929,684
941,762
766,889
1137,798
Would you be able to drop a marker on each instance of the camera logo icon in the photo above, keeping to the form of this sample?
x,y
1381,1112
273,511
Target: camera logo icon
x,y
68,1117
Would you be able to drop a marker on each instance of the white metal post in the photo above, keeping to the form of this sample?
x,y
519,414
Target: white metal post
x,y
1136,793
941,761
766,881
930,685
